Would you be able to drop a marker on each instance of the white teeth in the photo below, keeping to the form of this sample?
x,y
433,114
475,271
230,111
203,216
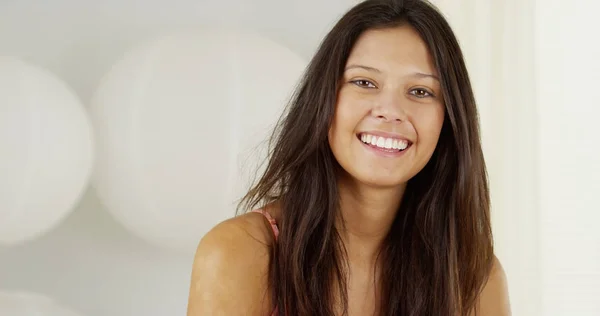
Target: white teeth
x,y
388,143
382,142
402,144
373,140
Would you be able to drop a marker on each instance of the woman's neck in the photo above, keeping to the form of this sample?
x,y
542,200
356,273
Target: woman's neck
x,y
367,214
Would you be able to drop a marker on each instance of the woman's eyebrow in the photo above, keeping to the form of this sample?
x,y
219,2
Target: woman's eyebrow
x,y
368,68
373,69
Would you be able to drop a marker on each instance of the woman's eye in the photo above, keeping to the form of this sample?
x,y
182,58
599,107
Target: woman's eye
x,y
421,93
364,83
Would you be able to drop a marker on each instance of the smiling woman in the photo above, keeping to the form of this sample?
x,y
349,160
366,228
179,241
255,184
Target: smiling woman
x,y
375,198
388,95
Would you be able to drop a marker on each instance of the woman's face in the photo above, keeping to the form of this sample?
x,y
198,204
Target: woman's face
x,y
389,111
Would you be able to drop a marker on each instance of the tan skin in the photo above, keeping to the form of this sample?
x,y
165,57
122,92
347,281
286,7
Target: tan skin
x,y
390,85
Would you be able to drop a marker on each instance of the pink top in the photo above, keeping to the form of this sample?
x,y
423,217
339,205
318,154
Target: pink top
x,y
271,221
275,229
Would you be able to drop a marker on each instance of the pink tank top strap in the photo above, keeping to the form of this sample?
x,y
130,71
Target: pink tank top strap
x,y
275,229
271,220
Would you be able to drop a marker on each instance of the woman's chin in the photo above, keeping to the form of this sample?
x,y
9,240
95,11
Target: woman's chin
x,y
370,179
381,182
386,184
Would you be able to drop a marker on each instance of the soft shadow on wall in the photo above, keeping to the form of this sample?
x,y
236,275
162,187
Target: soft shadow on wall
x,y
98,268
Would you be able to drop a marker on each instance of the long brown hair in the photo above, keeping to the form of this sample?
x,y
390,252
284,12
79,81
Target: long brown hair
x,y
438,253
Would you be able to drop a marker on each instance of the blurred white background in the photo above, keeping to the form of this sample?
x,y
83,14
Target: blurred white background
x,y
535,68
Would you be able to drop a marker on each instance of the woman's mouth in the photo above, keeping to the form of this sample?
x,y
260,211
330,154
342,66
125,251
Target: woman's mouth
x,y
386,144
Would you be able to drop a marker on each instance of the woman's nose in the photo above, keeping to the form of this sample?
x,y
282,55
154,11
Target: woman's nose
x,y
390,108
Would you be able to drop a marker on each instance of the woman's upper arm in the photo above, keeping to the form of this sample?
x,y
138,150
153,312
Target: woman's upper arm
x,y
229,274
494,299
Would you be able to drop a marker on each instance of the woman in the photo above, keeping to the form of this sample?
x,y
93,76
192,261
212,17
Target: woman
x,y
375,198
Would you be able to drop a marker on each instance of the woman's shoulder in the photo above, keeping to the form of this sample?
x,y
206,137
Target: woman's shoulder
x,y
231,265
494,298
251,229
243,239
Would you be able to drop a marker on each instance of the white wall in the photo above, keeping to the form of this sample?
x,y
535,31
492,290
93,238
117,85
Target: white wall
x,y
90,262
568,60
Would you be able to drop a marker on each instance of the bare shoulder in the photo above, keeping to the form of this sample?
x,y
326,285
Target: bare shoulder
x,y
494,299
230,269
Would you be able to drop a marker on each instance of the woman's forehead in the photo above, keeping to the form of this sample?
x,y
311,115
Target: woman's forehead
x,y
391,48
